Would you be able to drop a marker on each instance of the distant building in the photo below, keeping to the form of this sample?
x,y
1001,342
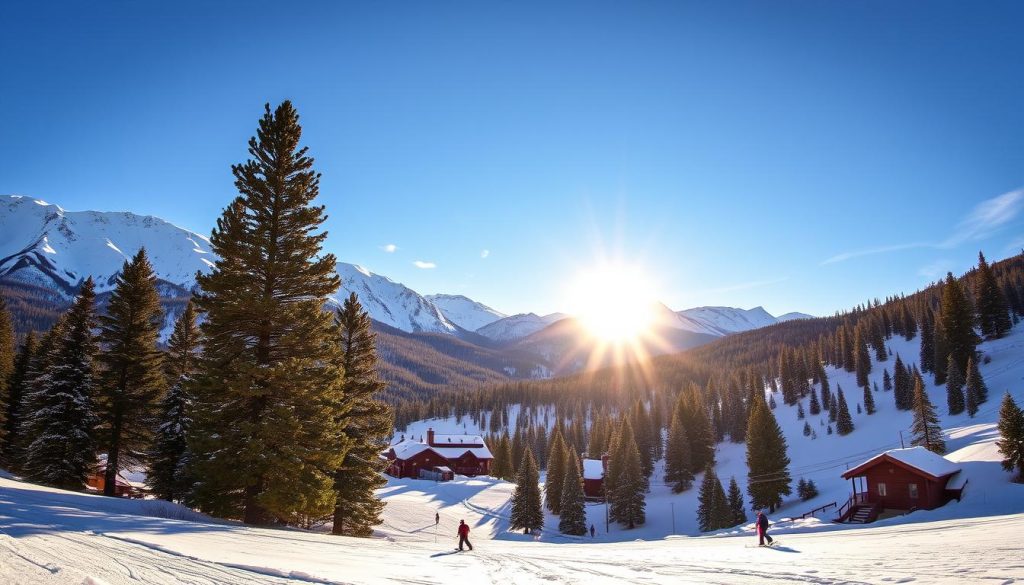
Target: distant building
x,y
461,454
128,484
593,477
899,481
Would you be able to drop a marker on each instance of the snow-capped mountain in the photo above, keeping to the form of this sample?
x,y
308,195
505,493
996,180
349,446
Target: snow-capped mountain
x,y
518,326
392,302
465,312
42,244
793,317
725,320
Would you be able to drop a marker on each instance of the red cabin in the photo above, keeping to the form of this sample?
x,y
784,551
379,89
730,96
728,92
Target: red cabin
x,y
462,454
593,477
902,480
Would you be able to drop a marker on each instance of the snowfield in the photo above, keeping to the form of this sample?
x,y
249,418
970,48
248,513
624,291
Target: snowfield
x,y
53,536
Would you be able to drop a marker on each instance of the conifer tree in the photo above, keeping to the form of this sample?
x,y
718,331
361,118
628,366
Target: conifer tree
x,y
800,411
976,388
526,508
367,425
6,369
573,517
626,499
925,429
698,430
768,479
269,417
735,498
825,389
903,390
132,379
844,423
954,387
63,448
12,455
713,511
815,406
1011,436
869,401
807,429
558,460
167,477
678,465
993,312
886,381
958,322
862,358
501,467
941,357
928,342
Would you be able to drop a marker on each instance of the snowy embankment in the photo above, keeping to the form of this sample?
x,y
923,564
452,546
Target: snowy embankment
x,y
52,536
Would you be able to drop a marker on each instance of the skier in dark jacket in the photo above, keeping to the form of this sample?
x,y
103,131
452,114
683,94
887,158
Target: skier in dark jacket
x,y
464,535
762,528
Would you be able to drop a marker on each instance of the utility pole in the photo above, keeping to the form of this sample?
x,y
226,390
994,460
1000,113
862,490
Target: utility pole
x,y
673,504
902,446
607,522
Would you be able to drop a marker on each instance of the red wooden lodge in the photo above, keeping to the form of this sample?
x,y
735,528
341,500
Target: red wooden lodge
x,y
461,454
593,477
900,481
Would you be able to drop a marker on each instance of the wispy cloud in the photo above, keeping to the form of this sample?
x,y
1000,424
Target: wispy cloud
x,y
935,270
424,265
984,220
389,248
485,253
870,251
1015,246
986,217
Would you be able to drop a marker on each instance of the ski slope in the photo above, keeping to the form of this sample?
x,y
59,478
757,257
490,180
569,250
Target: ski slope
x,y
52,536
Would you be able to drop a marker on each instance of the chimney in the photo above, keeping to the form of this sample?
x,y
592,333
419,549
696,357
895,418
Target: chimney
x,y
430,437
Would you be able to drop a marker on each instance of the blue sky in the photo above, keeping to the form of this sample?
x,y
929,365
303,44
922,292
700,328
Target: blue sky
x,y
803,156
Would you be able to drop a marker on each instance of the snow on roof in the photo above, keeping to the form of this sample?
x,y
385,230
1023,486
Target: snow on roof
x,y
409,448
443,440
957,482
919,458
593,469
443,468
456,452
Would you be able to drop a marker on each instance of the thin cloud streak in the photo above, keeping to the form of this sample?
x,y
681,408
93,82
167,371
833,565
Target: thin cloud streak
x,y
986,218
389,248
424,265
485,253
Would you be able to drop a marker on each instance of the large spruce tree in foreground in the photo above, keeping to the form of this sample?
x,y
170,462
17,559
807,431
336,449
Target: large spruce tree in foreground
x,y
168,472
527,513
573,517
131,379
925,430
367,425
768,479
1011,436
63,447
12,455
268,424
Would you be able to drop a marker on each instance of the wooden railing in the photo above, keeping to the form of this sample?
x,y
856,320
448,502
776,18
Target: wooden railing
x,y
858,498
816,510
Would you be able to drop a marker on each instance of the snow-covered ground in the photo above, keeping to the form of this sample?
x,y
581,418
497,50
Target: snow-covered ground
x,y
52,536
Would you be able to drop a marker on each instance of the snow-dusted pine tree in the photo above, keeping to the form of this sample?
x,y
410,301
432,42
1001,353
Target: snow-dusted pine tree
x,y
678,469
573,517
527,513
925,429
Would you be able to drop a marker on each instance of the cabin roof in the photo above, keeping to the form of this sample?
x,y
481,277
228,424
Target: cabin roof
x,y
918,458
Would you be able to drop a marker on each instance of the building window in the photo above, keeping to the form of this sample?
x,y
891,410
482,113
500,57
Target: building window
x,y
881,489
913,491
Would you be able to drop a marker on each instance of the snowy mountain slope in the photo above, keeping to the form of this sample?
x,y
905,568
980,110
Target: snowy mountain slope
x,y
465,312
518,326
722,321
793,316
45,245
390,302
822,457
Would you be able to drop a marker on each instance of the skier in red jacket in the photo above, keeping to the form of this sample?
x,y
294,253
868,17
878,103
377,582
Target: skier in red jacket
x,y
464,535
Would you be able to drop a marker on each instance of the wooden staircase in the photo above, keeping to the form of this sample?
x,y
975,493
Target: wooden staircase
x,y
863,514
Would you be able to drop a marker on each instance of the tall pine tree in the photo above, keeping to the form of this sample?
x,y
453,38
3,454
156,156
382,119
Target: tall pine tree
x,y
367,426
573,517
958,323
954,387
736,510
713,511
844,423
993,311
6,368
12,455
132,379
63,447
269,417
1011,436
925,429
526,508
678,466
627,497
168,478
768,478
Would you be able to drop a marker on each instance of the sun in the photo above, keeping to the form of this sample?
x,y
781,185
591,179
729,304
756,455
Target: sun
x,y
614,303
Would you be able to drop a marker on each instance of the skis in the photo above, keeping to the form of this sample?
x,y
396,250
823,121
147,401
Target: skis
x,y
773,543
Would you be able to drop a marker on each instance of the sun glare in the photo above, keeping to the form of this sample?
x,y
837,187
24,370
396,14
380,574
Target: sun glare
x,y
614,303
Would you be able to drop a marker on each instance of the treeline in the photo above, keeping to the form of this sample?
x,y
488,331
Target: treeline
x,y
268,411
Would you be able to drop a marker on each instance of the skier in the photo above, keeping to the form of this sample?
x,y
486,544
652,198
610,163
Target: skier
x,y
437,518
762,529
464,534
592,531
